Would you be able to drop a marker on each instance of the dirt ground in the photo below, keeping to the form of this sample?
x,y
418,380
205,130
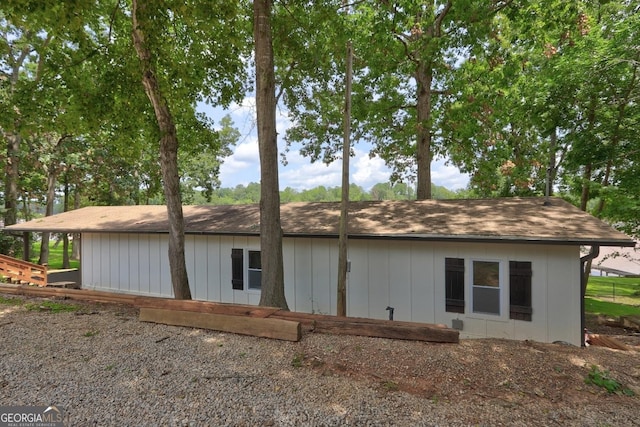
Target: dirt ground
x,y
512,372
543,378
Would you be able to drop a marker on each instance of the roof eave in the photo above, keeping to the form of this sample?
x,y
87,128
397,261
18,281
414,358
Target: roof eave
x,y
478,239
503,239
405,236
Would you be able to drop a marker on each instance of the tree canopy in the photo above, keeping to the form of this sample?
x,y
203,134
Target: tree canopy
x,y
523,95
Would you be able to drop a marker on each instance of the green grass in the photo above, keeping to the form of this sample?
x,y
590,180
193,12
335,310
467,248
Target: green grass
x,y
609,309
613,296
623,290
48,306
603,379
10,301
51,306
55,256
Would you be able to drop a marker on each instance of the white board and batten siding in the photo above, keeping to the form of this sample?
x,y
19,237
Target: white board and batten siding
x,y
406,275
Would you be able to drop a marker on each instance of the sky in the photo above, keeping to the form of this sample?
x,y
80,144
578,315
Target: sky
x,y
243,166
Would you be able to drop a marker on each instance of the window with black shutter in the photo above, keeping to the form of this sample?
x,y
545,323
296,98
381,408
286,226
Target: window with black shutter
x,y
520,290
237,269
254,270
454,284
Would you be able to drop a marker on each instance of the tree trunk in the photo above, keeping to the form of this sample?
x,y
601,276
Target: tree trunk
x,y
9,245
552,168
344,205
424,77
168,153
51,195
11,180
272,283
75,243
65,236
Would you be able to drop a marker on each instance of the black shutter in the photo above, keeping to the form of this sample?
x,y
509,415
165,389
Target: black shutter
x,y
237,269
454,284
520,290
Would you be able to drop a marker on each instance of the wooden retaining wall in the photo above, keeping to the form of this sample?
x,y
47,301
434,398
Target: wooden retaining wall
x,y
269,322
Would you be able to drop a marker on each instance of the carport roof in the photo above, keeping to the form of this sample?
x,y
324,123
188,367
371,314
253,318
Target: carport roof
x,y
503,219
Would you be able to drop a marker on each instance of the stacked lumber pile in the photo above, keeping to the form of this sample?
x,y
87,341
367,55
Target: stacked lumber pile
x,y
275,323
605,341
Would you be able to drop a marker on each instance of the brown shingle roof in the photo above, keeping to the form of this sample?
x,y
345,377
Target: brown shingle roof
x,y
505,219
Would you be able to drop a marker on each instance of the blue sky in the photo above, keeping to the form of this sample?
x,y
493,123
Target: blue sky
x,y
243,166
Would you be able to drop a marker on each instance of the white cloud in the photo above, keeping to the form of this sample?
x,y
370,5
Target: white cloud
x,y
367,171
448,176
243,166
247,153
310,176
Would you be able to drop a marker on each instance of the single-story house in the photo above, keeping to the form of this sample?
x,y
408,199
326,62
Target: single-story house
x,y
507,268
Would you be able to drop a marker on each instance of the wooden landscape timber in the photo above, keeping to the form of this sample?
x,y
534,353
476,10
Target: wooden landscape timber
x,y
373,327
627,322
316,322
76,294
155,307
255,326
204,306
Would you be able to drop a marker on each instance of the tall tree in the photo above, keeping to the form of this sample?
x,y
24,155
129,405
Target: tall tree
x,y
22,53
200,164
141,16
552,94
343,236
272,284
408,54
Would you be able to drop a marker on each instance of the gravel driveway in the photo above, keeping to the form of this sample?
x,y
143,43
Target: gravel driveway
x,y
106,368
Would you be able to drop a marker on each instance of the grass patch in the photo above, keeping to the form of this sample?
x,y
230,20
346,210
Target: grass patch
x,y
624,290
51,306
48,306
10,301
55,255
390,385
613,296
298,360
610,309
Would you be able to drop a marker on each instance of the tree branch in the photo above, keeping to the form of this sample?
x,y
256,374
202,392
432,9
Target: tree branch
x,y
292,66
407,52
113,19
41,57
437,24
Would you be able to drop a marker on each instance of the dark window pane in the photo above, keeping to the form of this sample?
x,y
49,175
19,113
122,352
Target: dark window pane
x,y
237,269
486,273
254,260
520,290
454,285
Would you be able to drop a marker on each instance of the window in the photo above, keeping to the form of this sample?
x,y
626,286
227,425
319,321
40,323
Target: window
x,y
486,287
253,277
255,270
520,290
237,269
454,284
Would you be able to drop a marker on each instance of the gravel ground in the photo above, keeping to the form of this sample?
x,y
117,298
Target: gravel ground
x,y
105,368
